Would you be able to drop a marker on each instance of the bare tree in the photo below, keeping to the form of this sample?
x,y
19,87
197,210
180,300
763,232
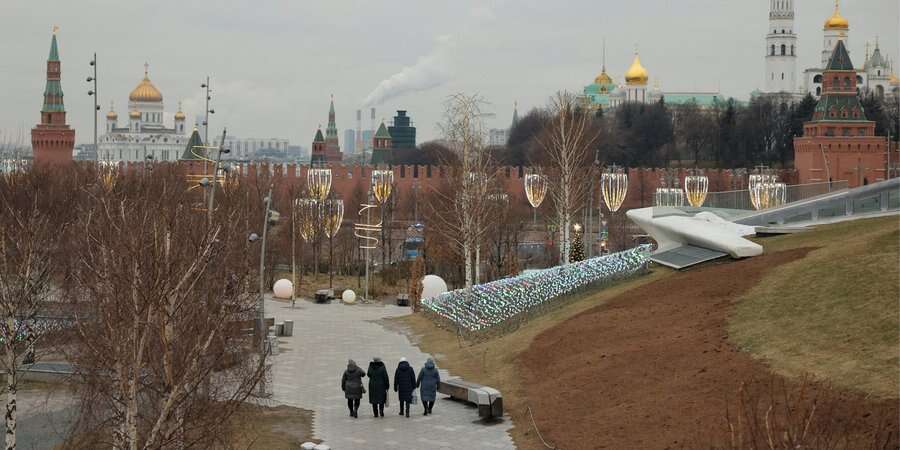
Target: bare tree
x,y
566,139
160,310
27,246
462,209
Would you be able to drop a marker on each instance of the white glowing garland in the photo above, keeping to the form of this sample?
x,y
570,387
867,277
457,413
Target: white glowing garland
x,y
491,304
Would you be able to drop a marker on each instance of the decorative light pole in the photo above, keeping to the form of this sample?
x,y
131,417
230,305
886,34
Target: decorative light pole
x,y
333,211
696,185
94,93
763,189
614,186
535,191
318,182
271,216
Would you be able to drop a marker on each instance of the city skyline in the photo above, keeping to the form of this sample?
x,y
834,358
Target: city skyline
x,y
273,69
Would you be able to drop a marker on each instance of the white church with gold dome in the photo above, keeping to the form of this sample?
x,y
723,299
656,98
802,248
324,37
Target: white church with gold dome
x,y
781,82
143,135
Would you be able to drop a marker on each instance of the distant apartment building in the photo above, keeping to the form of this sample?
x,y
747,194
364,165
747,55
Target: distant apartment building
x,y
252,148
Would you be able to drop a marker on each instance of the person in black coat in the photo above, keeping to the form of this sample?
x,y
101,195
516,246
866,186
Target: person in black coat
x,y
379,383
351,384
404,385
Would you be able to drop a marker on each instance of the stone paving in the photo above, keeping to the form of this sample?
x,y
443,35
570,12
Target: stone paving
x,y
307,374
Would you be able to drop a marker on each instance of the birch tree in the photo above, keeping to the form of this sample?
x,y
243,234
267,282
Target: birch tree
x,y
160,344
566,140
462,207
27,243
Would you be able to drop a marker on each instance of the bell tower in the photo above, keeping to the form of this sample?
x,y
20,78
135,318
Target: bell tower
x,y
52,140
781,49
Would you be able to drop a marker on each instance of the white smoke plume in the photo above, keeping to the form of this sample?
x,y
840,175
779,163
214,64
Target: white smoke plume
x,y
431,70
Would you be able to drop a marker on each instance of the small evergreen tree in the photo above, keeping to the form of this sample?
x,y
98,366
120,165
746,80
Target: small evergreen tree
x,y
577,252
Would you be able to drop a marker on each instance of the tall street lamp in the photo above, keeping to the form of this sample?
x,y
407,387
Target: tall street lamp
x,y
270,217
93,93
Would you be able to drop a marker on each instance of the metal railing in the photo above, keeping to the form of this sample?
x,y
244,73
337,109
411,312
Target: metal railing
x,y
794,193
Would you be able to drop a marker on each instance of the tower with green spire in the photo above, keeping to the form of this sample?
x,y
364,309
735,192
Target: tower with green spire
x,y
318,154
52,140
332,146
382,145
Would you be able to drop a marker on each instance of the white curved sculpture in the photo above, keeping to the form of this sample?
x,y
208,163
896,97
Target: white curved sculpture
x,y
432,286
348,297
283,288
672,228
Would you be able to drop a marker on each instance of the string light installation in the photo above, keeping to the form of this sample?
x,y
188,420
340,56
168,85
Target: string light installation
x,y
108,172
696,187
779,195
382,185
367,233
762,190
614,186
535,191
488,305
333,214
318,182
669,197
307,214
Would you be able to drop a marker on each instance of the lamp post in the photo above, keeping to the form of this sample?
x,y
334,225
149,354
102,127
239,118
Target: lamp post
x,y
270,216
215,176
93,93
207,112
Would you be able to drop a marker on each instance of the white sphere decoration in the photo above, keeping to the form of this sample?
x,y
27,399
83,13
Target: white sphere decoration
x,y
283,288
432,286
349,297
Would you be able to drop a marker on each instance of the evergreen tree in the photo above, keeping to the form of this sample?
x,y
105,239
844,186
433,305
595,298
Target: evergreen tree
x,y
577,251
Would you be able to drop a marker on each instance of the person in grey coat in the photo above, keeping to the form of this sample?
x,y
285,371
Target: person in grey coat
x,y
351,384
428,381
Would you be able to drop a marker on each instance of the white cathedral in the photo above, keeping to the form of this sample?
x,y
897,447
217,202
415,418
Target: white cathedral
x,y
144,137
781,77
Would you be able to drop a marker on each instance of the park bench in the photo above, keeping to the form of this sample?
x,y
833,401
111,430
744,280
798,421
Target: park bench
x,y
488,400
324,295
402,299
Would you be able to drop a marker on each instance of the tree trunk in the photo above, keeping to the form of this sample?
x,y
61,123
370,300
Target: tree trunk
x,y
11,389
477,264
467,255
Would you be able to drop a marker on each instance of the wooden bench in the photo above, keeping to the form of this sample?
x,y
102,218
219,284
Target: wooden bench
x,y
488,400
402,299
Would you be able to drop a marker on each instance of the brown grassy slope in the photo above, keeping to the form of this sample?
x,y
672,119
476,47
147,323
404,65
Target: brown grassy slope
x,y
496,363
834,314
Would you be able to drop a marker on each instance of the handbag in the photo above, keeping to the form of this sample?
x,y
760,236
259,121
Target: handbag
x,y
414,400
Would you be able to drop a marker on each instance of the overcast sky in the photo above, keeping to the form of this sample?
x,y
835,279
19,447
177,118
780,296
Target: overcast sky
x,y
274,63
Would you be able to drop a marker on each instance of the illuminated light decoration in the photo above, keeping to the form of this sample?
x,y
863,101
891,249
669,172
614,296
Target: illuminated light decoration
x,y
488,305
382,185
669,197
318,182
535,189
367,232
307,212
762,190
108,172
614,186
696,187
779,195
333,216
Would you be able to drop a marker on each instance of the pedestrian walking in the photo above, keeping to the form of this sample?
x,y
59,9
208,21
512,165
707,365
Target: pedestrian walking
x,y
351,384
404,385
379,383
428,381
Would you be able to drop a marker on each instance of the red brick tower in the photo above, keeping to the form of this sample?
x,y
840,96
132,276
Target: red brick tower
x,y
52,140
839,143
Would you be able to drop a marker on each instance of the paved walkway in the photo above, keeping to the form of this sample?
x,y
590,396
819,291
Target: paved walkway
x,y
307,374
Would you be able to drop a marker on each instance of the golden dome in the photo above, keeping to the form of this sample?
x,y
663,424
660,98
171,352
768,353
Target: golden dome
x,y
134,114
837,21
180,114
145,90
894,80
112,115
636,74
603,78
